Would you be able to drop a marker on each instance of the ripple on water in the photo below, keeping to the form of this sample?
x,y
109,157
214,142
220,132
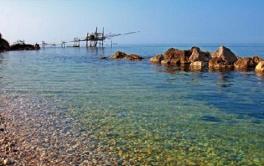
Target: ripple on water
x,y
145,113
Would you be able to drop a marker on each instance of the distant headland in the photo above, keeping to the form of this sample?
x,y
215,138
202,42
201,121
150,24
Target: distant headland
x,y
20,45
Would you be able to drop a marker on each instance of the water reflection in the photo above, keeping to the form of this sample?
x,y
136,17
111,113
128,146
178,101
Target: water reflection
x,y
260,75
225,79
172,69
100,51
221,70
1,58
197,76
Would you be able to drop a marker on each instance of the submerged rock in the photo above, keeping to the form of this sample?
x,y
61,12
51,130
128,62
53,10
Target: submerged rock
x,y
123,55
260,67
4,45
223,58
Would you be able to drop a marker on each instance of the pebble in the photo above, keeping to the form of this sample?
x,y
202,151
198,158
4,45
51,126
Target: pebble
x,y
40,136
8,162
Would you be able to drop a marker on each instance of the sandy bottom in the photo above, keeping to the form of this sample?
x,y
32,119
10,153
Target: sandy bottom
x,y
34,131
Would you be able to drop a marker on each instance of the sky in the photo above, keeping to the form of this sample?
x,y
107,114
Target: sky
x,y
159,21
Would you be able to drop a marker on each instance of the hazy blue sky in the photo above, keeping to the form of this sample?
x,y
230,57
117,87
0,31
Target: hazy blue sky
x,y
160,21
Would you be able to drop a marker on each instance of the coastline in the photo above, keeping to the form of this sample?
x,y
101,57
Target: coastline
x,y
33,132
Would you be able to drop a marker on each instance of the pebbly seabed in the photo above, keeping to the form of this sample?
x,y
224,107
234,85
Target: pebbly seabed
x,y
33,131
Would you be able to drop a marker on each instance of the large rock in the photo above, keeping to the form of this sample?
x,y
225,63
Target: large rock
x,y
176,57
223,58
4,45
260,67
173,53
226,55
244,63
122,55
118,55
198,55
170,57
157,59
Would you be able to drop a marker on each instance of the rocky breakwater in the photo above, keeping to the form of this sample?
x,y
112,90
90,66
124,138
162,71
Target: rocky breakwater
x,y
122,55
224,59
195,59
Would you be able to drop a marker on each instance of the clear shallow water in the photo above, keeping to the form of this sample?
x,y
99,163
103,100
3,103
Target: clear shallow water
x,y
147,113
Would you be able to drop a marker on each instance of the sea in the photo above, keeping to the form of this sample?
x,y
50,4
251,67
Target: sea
x,y
152,114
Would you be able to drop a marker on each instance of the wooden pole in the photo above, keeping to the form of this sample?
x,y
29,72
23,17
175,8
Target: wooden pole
x,y
87,39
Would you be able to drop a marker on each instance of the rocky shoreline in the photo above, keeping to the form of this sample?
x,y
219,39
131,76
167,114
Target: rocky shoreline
x,y
35,132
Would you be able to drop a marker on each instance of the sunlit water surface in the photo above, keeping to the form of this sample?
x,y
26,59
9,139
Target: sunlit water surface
x,y
148,113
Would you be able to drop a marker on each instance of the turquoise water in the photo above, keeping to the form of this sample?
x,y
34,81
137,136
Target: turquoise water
x,y
147,113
